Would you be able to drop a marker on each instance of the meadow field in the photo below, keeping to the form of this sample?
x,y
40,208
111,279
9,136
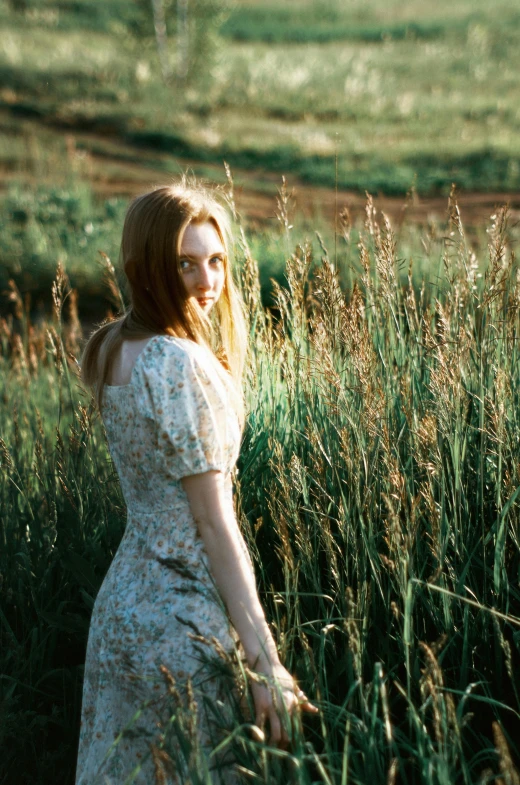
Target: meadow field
x,y
378,489
379,477
397,93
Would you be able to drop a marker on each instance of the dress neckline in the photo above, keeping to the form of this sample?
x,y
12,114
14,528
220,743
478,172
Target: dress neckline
x,y
143,352
222,373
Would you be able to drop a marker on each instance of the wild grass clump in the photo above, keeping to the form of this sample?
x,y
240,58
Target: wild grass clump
x,y
379,486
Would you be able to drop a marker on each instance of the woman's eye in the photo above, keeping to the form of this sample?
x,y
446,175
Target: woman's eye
x,y
216,260
184,264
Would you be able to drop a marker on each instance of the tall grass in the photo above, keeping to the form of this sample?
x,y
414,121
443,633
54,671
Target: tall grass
x,y
379,486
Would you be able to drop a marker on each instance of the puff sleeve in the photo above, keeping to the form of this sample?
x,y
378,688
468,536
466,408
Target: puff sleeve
x,y
188,402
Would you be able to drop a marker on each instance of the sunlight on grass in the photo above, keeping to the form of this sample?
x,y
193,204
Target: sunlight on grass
x,y
378,490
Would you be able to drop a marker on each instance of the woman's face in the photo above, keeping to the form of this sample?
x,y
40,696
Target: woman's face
x,y
202,259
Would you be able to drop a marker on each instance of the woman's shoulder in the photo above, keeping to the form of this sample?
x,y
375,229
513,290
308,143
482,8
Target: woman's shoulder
x,y
171,357
174,368
183,348
166,353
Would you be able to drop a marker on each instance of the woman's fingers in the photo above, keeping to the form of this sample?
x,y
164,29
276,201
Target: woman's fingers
x,y
278,735
284,741
304,703
277,705
260,719
308,706
257,733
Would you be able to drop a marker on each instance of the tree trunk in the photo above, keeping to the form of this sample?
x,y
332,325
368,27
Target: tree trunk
x,y
182,39
159,22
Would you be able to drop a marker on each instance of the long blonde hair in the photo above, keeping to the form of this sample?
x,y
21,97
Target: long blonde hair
x,y
152,236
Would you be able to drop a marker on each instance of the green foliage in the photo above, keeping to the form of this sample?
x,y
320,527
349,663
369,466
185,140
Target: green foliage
x,y
43,226
321,24
205,18
378,490
107,17
58,535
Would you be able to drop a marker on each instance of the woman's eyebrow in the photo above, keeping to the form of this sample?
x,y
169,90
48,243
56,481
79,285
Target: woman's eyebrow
x,y
194,258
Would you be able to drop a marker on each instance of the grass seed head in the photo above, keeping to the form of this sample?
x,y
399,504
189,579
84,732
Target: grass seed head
x,y
505,761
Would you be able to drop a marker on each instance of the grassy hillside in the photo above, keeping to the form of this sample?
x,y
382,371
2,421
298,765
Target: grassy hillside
x,y
400,94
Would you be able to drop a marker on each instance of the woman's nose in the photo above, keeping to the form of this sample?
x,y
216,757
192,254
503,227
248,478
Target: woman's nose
x,y
204,278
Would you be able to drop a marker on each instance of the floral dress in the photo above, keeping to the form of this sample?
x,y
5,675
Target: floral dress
x,y
172,420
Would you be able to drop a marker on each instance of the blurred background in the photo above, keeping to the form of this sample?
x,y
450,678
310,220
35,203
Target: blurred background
x,y
99,99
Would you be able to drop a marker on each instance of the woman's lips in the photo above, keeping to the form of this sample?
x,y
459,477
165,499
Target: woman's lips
x,y
204,300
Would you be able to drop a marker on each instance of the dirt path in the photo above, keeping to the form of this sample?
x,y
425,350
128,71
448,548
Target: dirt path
x,y
115,168
476,208
256,192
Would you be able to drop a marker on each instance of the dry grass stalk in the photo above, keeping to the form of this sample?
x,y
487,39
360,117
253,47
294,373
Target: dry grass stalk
x,y
371,224
432,686
73,333
60,289
393,771
345,223
7,464
498,271
110,281
352,630
386,266
250,280
284,204
163,766
505,761
61,469
229,193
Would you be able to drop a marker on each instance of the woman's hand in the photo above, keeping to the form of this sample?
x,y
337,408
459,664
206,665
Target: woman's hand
x,y
231,567
276,697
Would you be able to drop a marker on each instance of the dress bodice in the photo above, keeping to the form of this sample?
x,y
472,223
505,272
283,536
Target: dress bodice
x,y
173,419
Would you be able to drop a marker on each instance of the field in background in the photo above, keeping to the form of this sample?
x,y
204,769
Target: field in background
x,y
378,490
401,94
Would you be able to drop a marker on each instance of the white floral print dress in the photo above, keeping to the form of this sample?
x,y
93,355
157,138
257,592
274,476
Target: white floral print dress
x,y
172,420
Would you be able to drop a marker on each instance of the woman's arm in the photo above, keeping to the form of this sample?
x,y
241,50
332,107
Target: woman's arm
x,y
232,571
230,566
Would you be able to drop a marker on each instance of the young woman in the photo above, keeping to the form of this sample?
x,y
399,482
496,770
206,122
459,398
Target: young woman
x,y
167,378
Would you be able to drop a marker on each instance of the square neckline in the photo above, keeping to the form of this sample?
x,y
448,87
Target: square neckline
x,y
143,351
